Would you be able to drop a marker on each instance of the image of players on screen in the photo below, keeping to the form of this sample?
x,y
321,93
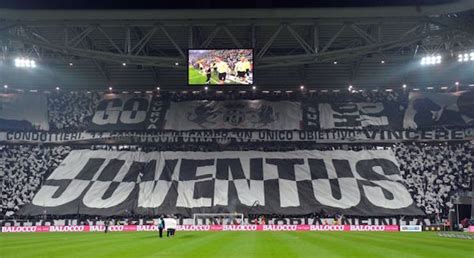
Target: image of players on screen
x,y
220,67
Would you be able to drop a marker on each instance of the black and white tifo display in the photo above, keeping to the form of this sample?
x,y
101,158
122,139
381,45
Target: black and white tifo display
x,y
364,183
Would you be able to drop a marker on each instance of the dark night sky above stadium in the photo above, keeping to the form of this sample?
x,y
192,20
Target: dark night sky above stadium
x,y
184,4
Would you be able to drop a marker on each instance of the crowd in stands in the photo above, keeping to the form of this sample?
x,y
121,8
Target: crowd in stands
x,y
433,173
71,111
22,171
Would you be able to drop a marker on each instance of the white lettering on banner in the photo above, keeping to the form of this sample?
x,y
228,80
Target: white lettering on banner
x,y
18,229
326,227
248,191
367,228
98,189
153,193
46,195
128,228
339,179
186,188
66,228
97,228
224,137
116,228
121,108
350,194
401,197
193,228
147,228
109,115
352,115
280,227
239,228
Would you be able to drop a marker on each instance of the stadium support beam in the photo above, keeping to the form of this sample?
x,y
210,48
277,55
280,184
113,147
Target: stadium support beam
x,y
354,69
181,52
368,38
334,37
379,32
269,43
143,41
463,24
191,36
411,30
128,41
306,47
88,42
80,36
253,35
343,53
231,36
99,28
210,37
102,55
33,33
316,38
139,34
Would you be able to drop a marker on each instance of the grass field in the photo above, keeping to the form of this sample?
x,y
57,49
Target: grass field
x,y
197,78
235,244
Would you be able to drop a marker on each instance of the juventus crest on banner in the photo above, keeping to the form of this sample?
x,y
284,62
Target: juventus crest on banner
x,y
365,183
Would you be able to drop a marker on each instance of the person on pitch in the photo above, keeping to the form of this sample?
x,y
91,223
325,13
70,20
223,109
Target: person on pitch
x,y
241,68
161,226
222,68
170,226
208,74
106,224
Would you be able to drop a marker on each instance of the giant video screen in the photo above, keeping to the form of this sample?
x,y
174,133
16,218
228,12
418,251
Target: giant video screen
x,y
220,67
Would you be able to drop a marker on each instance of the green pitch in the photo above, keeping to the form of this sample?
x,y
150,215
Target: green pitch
x,y
235,244
195,77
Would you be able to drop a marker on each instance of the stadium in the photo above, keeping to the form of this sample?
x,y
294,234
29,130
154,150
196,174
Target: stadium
x,y
237,129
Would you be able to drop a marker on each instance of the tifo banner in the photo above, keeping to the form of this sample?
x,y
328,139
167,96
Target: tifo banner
x,y
439,109
128,112
23,111
239,114
238,136
360,115
363,183
123,228
139,112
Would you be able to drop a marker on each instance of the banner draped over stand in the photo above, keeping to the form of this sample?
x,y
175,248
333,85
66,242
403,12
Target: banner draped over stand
x,y
148,119
364,183
239,136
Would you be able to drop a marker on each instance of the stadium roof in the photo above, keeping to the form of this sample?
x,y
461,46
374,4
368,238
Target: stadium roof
x,y
208,4
85,49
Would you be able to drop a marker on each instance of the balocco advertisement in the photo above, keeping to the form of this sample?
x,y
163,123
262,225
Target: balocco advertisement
x,y
132,228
